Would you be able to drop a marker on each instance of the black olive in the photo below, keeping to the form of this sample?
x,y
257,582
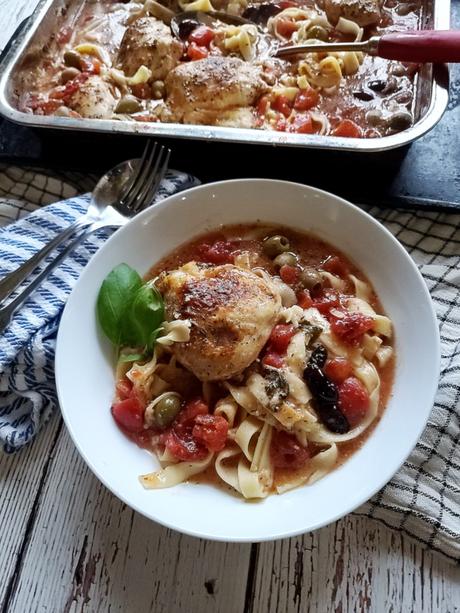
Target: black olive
x,y
261,13
186,27
377,85
325,393
364,95
318,357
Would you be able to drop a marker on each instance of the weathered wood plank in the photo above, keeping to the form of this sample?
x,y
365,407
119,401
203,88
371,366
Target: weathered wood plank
x,y
353,565
21,481
12,13
89,552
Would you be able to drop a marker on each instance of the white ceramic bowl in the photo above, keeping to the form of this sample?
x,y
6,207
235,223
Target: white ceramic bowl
x,y
85,376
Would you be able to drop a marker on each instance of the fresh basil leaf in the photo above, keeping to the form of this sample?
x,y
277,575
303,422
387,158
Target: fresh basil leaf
x,y
144,315
114,298
131,357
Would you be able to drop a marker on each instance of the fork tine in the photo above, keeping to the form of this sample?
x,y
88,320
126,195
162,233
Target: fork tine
x,y
149,150
150,192
131,198
157,173
149,181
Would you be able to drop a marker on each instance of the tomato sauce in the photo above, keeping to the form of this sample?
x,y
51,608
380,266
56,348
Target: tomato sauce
x,y
222,246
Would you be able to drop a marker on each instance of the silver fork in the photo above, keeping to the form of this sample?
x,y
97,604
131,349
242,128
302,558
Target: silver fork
x,y
121,193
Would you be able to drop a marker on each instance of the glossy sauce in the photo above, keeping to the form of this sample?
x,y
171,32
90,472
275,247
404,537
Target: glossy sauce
x,y
312,252
378,98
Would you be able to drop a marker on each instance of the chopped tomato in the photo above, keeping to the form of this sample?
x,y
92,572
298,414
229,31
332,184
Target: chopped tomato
x,y
347,128
220,252
350,327
326,300
263,105
280,125
281,337
335,266
192,409
48,107
195,52
302,124
272,359
142,91
90,64
306,99
286,27
282,105
129,414
64,35
67,91
289,274
338,369
144,438
286,451
182,444
211,431
202,36
354,400
304,299
124,388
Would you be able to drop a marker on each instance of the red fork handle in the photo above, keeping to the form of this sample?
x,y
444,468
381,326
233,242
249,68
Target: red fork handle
x,y
421,46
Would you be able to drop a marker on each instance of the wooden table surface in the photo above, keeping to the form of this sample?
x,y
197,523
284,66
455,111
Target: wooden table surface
x,y
67,544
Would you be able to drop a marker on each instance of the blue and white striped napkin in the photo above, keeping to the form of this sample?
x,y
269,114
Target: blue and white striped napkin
x,y
27,390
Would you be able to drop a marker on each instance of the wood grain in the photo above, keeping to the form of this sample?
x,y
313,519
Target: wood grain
x,y
22,477
354,565
89,552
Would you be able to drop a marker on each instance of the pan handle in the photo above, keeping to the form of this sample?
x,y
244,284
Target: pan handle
x,y
14,37
421,46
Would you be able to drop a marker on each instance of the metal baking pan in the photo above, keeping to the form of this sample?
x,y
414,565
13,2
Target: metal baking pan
x,y
430,101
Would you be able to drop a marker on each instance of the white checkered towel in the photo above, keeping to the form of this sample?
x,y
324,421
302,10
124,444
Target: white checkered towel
x,y
423,499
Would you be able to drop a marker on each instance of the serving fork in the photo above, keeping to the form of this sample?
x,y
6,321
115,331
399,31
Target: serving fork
x,y
122,192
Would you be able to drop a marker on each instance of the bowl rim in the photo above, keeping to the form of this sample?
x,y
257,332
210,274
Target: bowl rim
x,y
385,475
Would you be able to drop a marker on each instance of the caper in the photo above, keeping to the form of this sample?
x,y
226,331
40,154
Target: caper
x,y
285,259
311,278
68,74
128,104
401,120
274,245
72,58
166,410
318,33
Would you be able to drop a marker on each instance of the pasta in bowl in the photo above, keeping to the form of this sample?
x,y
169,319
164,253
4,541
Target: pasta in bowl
x,y
271,365
255,361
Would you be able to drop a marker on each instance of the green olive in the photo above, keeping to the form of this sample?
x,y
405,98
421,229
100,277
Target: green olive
x,y
401,120
68,74
72,58
166,409
274,245
158,90
318,33
285,259
128,104
311,278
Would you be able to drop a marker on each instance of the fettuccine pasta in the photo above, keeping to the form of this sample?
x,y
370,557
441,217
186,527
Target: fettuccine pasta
x,y
272,366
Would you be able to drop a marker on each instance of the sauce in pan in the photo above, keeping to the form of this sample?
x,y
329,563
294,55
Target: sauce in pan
x,y
114,60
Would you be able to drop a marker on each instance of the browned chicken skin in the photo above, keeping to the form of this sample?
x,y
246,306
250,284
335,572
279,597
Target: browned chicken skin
x,y
214,84
95,98
363,12
149,42
232,312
